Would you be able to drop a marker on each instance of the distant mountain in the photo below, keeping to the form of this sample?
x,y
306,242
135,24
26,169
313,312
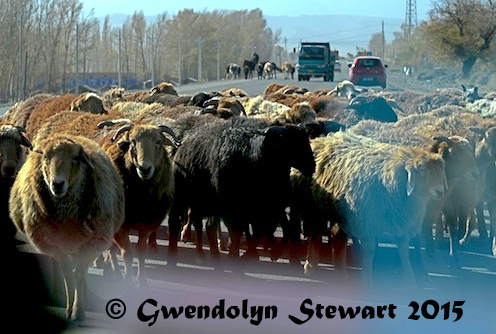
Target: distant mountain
x,y
344,32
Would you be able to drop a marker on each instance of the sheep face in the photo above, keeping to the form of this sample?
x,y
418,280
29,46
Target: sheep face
x,y
11,153
88,102
294,143
145,146
426,175
63,166
459,156
302,113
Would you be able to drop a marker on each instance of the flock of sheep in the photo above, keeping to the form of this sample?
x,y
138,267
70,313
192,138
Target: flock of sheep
x,y
79,174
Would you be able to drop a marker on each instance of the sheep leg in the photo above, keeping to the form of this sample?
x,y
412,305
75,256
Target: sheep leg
x,y
481,221
432,215
69,280
235,235
492,213
469,226
152,240
223,242
406,267
212,228
312,257
186,230
174,228
367,246
121,238
295,226
143,235
451,222
198,224
339,246
79,295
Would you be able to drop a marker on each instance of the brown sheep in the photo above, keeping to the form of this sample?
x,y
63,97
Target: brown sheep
x,y
139,154
69,201
89,102
328,106
236,92
164,88
13,146
272,88
288,99
299,113
226,103
19,114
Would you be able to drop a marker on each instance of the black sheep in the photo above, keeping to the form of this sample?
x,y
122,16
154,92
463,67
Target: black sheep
x,y
238,170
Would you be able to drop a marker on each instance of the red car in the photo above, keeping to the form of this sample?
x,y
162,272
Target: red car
x,y
368,71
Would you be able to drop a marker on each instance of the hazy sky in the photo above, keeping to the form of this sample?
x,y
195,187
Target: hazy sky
x,y
381,8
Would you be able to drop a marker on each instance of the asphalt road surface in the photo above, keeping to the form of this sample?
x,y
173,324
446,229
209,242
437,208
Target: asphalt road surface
x,y
276,295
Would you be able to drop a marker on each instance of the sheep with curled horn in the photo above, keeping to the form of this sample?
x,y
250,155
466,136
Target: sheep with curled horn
x,y
139,154
69,201
13,149
163,88
229,103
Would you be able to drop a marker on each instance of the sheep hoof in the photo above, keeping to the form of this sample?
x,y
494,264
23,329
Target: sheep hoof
x,y
186,235
153,246
199,259
308,269
223,245
78,315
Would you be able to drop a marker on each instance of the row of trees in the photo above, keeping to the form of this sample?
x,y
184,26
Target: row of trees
x,y
458,32
46,43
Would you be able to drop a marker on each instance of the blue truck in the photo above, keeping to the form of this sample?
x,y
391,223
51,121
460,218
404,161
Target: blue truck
x,y
316,59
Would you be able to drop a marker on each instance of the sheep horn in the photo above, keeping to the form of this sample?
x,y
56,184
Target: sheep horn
x,y
26,142
112,122
20,128
356,99
445,139
122,130
175,141
211,102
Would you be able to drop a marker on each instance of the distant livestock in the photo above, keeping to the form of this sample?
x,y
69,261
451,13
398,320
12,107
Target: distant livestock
x,y
233,71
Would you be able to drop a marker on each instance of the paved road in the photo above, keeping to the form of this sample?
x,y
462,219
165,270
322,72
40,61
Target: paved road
x,y
279,284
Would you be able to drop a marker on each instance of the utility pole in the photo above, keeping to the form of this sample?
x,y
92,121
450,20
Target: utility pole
x,y
383,41
179,74
286,47
20,89
218,60
119,76
77,58
199,58
410,16
152,60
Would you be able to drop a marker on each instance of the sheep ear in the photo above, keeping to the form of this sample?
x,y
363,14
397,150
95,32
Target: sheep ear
x,y
84,157
464,88
123,144
480,131
410,186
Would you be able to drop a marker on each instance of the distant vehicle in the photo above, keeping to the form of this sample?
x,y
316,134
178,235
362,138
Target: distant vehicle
x,y
316,59
337,66
368,71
